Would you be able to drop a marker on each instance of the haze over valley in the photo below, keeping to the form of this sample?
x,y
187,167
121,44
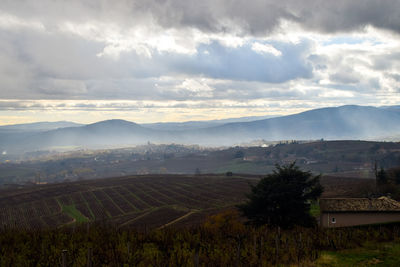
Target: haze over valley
x,y
341,123
321,140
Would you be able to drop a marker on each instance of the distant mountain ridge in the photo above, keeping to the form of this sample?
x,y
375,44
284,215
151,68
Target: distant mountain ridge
x,y
345,122
334,123
191,125
39,126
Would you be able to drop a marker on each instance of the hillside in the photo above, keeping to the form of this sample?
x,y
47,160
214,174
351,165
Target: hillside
x,y
346,122
104,134
150,201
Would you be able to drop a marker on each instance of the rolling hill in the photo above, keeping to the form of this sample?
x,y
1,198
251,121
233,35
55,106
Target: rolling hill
x,y
336,123
38,126
192,125
137,201
151,200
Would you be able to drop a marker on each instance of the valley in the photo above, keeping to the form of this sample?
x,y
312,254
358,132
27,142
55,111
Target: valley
x,y
337,158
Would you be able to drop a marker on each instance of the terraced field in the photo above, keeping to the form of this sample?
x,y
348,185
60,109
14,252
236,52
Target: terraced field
x,y
140,201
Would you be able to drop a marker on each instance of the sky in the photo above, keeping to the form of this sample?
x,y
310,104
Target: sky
x,y
180,60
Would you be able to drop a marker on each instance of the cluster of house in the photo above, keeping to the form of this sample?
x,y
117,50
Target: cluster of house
x,y
340,212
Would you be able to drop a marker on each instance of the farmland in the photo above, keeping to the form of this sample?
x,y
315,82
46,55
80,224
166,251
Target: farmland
x,y
139,201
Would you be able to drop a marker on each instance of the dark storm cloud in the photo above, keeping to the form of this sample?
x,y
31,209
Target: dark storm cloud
x,y
344,15
254,17
262,16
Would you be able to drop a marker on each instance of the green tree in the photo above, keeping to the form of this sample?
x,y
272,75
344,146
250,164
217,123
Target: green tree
x,y
283,198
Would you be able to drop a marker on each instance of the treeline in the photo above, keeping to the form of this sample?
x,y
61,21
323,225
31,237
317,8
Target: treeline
x,y
223,240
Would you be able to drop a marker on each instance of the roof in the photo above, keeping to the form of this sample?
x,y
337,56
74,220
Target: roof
x,y
358,204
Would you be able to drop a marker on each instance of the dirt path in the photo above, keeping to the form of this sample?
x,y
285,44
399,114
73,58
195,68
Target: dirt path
x,y
134,219
178,219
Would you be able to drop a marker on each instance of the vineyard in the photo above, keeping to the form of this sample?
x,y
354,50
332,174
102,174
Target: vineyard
x,y
173,220
222,240
139,201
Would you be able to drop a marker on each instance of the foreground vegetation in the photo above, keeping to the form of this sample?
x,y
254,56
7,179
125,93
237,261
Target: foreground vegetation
x,y
370,254
222,240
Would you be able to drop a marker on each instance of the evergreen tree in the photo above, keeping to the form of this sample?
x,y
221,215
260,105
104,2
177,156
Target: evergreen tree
x,y
283,198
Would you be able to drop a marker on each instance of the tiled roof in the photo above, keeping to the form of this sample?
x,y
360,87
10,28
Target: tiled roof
x,y
359,204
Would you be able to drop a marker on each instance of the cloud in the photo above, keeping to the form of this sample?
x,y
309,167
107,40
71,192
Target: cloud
x,y
345,76
59,65
265,49
243,63
263,16
58,87
255,17
194,52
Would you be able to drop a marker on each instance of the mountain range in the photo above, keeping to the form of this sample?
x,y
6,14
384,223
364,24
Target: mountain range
x,y
191,125
37,126
333,123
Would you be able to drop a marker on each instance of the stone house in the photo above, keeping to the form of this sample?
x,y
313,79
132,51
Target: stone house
x,y
340,212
